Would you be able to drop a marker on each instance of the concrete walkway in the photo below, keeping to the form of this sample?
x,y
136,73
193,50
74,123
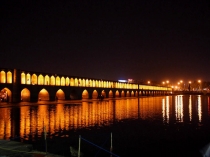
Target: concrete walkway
x,y
13,148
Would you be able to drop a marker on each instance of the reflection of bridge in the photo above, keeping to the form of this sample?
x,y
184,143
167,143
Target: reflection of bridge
x,y
21,85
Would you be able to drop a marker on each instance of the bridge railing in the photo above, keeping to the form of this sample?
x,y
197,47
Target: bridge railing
x,y
32,78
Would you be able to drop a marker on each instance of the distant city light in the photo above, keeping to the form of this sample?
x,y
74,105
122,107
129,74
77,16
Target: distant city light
x,y
130,80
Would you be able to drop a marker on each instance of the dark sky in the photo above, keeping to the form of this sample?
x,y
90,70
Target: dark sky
x,y
108,39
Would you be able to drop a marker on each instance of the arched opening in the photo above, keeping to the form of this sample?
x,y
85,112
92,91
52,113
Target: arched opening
x,y
103,93
132,94
106,84
23,78
58,82
137,93
85,94
127,94
90,83
67,81
9,77
97,84
52,80
73,95
123,94
3,77
72,82
63,82
34,79
5,95
28,79
47,80
25,95
94,94
94,83
44,95
110,94
60,95
117,94
40,80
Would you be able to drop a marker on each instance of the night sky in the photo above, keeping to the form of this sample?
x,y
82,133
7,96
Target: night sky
x,y
107,39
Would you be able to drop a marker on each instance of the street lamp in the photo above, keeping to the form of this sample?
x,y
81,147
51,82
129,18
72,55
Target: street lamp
x,y
167,85
181,84
178,85
189,85
199,85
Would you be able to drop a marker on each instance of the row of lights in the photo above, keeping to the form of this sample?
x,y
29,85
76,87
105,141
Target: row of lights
x,y
180,82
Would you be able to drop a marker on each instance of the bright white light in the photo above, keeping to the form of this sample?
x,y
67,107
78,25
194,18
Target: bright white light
x,y
122,80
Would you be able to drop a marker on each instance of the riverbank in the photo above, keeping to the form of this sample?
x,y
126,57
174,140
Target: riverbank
x,y
13,148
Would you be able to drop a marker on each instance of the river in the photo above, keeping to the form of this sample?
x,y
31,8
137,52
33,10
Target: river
x,y
176,125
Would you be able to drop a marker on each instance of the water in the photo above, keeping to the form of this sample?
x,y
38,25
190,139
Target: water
x,y
149,126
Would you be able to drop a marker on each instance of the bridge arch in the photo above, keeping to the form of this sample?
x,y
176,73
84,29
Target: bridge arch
x,y
95,94
111,94
117,94
128,93
25,95
60,94
44,95
6,95
122,93
85,94
103,93
74,94
132,94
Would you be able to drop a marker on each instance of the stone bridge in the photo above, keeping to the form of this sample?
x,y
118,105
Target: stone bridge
x,y
19,85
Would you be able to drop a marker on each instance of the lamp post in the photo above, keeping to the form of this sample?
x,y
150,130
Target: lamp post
x,y
167,85
199,85
181,84
178,86
189,85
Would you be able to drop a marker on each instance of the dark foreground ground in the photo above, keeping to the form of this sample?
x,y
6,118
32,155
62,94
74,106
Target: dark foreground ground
x,y
133,138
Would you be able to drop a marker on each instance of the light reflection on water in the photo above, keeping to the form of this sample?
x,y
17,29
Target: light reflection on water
x,y
30,119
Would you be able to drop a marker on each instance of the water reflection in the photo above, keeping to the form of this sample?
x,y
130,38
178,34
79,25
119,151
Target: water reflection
x,y
179,108
165,109
199,109
190,108
29,121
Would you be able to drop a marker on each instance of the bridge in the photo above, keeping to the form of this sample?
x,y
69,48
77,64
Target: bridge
x,y
20,85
